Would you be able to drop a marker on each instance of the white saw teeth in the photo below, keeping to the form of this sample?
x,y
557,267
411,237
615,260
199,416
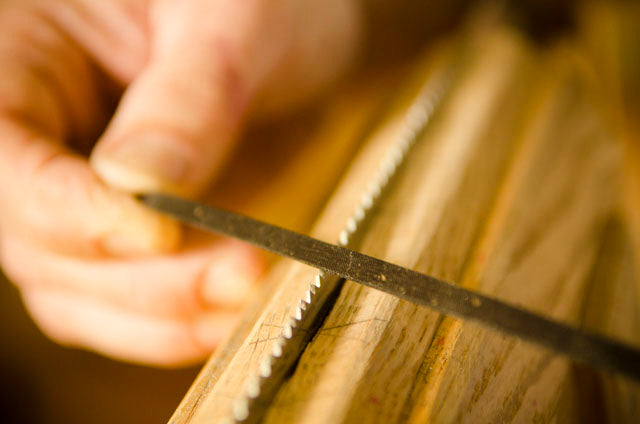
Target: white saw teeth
x,y
253,389
265,367
277,348
367,201
417,117
397,157
375,191
428,108
287,331
241,409
384,179
415,121
404,146
388,169
410,134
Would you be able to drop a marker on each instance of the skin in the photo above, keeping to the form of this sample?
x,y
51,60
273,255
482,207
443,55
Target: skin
x,y
155,93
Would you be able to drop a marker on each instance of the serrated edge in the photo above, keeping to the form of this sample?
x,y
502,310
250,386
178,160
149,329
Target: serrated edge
x,y
416,120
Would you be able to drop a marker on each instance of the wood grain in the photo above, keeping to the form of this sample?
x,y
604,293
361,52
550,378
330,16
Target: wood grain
x,y
538,251
428,222
507,192
224,377
284,176
611,308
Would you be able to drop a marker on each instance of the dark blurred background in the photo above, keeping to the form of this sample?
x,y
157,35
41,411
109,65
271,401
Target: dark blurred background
x,y
41,382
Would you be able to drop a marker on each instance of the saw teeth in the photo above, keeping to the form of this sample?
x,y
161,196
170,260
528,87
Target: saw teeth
x,y
344,238
417,116
253,389
407,142
375,190
367,200
397,157
351,225
384,179
241,409
277,348
287,331
415,121
409,135
265,367
387,170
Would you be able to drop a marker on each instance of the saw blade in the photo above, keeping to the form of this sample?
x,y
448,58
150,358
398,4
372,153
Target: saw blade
x,y
421,289
442,296
324,287
338,260
262,387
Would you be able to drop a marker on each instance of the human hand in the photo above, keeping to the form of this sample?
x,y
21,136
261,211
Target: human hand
x,y
95,268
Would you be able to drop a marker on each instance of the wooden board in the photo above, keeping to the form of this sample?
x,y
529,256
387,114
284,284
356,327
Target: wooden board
x,y
611,308
535,228
507,192
290,193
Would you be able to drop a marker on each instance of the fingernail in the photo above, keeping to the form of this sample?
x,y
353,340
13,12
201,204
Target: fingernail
x,y
228,283
148,163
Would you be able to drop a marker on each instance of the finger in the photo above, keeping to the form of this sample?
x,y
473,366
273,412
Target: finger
x,y
113,32
52,196
47,80
178,120
180,285
81,322
47,98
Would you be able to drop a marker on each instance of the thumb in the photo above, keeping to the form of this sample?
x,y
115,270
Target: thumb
x,y
175,124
